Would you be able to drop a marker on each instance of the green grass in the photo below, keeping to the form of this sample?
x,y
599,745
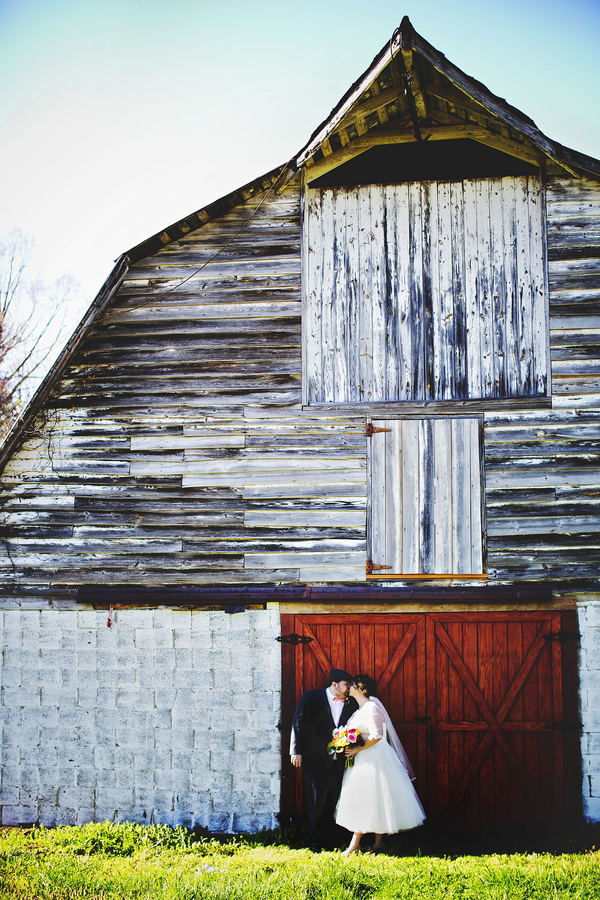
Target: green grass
x,y
119,862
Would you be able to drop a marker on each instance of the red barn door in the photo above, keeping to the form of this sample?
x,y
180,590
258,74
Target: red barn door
x,y
477,699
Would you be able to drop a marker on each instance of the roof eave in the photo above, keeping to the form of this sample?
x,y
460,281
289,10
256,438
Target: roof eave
x,y
406,37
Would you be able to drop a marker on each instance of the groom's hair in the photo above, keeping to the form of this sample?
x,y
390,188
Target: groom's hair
x,y
338,675
365,684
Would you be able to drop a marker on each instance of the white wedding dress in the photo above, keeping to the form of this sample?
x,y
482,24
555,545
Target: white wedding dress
x,y
377,792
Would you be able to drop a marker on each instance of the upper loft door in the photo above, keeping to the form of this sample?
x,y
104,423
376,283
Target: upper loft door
x,y
425,291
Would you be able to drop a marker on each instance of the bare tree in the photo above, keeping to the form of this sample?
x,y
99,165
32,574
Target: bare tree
x,y
34,320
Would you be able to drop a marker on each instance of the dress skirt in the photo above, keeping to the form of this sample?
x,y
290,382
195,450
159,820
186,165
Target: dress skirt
x,y
377,794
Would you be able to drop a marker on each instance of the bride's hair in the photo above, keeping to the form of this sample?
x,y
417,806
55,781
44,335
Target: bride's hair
x,y
365,684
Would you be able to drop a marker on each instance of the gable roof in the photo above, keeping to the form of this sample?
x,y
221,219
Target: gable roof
x,y
435,99
410,92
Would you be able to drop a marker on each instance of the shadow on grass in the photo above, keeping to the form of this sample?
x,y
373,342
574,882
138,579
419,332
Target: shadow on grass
x,y
429,840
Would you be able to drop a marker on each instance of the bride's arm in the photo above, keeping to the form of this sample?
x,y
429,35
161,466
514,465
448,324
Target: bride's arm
x,y
374,722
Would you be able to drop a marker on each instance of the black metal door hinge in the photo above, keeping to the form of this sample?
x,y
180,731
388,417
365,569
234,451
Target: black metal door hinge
x,y
562,636
294,639
563,726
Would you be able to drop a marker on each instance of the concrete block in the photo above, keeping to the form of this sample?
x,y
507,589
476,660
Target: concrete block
x,y
217,699
264,761
165,698
174,739
251,823
213,740
591,719
146,638
144,796
266,803
85,816
589,679
184,717
251,740
251,784
151,759
67,773
193,801
219,660
12,677
49,775
224,761
23,697
159,718
9,795
154,678
594,782
220,822
593,742
116,678
591,764
59,696
116,798
207,780
19,815
133,618
125,777
591,615
87,777
140,698
34,757
106,778
86,638
231,640
232,803
68,638
75,797
266,679
165,659
91,618
29,659
116,638
259,701
106,698
134,738
591,809
230,720
194,680
163,801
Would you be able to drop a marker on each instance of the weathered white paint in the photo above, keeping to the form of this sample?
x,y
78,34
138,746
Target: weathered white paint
x,y
425,291
589,680
169,716
425,501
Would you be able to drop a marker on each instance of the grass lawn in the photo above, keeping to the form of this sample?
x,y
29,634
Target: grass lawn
x,y
133,861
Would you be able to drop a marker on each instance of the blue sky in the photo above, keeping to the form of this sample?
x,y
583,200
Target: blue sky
x,y
122,116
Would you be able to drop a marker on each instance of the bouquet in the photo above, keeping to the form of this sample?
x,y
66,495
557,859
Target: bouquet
x,y
342,738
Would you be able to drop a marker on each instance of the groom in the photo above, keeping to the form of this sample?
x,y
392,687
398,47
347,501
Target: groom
x,y
318,713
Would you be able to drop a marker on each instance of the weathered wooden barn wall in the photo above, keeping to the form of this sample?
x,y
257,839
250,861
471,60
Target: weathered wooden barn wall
x,y
175,449
543,469
425,291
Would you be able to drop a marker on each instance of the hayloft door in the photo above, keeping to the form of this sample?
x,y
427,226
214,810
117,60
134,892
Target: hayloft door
x,y
477,699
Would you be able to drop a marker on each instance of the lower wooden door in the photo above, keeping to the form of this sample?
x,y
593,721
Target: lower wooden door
x,y
484,703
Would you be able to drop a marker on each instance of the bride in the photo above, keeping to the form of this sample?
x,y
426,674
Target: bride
x,y
377,793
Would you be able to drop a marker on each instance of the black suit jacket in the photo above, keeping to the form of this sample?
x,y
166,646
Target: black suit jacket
x,y
312,728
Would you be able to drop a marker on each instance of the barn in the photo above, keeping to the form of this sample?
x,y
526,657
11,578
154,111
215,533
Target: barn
x,y
347,415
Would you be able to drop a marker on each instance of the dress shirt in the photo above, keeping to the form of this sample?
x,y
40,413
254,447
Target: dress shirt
x,y
336,707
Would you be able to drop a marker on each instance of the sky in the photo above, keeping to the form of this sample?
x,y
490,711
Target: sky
x,y
119,117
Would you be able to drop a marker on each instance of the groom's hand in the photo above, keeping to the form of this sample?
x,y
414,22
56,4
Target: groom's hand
x,y
296,760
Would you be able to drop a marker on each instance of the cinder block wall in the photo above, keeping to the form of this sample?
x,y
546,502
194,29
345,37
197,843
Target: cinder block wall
x,y
589,680
168,716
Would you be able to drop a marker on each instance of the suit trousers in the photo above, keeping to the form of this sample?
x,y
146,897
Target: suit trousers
x,y
323,788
